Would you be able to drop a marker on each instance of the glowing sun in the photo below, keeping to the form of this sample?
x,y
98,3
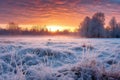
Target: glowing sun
x,y
54,28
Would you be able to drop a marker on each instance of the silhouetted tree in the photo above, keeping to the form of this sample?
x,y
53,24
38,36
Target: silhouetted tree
x,y
13,26
107,32
84,27
118,30
114,27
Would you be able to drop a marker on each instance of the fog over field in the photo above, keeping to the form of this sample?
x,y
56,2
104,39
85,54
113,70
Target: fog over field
x,y
59,58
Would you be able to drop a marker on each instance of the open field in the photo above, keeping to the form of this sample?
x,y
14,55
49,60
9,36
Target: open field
x,y
59,58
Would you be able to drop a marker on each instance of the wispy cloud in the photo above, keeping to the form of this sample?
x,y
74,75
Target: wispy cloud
x,y
39,11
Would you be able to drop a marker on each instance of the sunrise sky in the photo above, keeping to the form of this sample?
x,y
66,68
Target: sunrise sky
x,y
64,13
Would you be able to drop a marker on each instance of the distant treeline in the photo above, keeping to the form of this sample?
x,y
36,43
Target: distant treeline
x,y
95,27
14,29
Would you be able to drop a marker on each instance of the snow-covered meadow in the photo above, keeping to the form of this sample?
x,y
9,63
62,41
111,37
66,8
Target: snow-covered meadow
x,y
59,58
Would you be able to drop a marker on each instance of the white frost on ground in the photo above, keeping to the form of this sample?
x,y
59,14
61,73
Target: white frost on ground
x,y
54,58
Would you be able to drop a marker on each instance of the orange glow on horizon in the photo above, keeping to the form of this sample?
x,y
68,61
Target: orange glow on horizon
x,y
50,27
54,28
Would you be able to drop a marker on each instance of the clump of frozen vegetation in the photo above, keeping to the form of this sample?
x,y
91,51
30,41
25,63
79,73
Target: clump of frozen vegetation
x,y
73,59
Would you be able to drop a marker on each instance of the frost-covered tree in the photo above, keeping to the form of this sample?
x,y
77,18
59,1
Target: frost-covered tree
x,y
97,25
113,27
93,27
118,30
84,27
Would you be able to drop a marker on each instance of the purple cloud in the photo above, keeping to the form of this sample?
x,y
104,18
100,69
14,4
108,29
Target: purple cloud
x,y
26,11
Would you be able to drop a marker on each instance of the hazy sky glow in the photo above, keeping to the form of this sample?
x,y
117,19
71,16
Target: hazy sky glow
x,y
55,12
